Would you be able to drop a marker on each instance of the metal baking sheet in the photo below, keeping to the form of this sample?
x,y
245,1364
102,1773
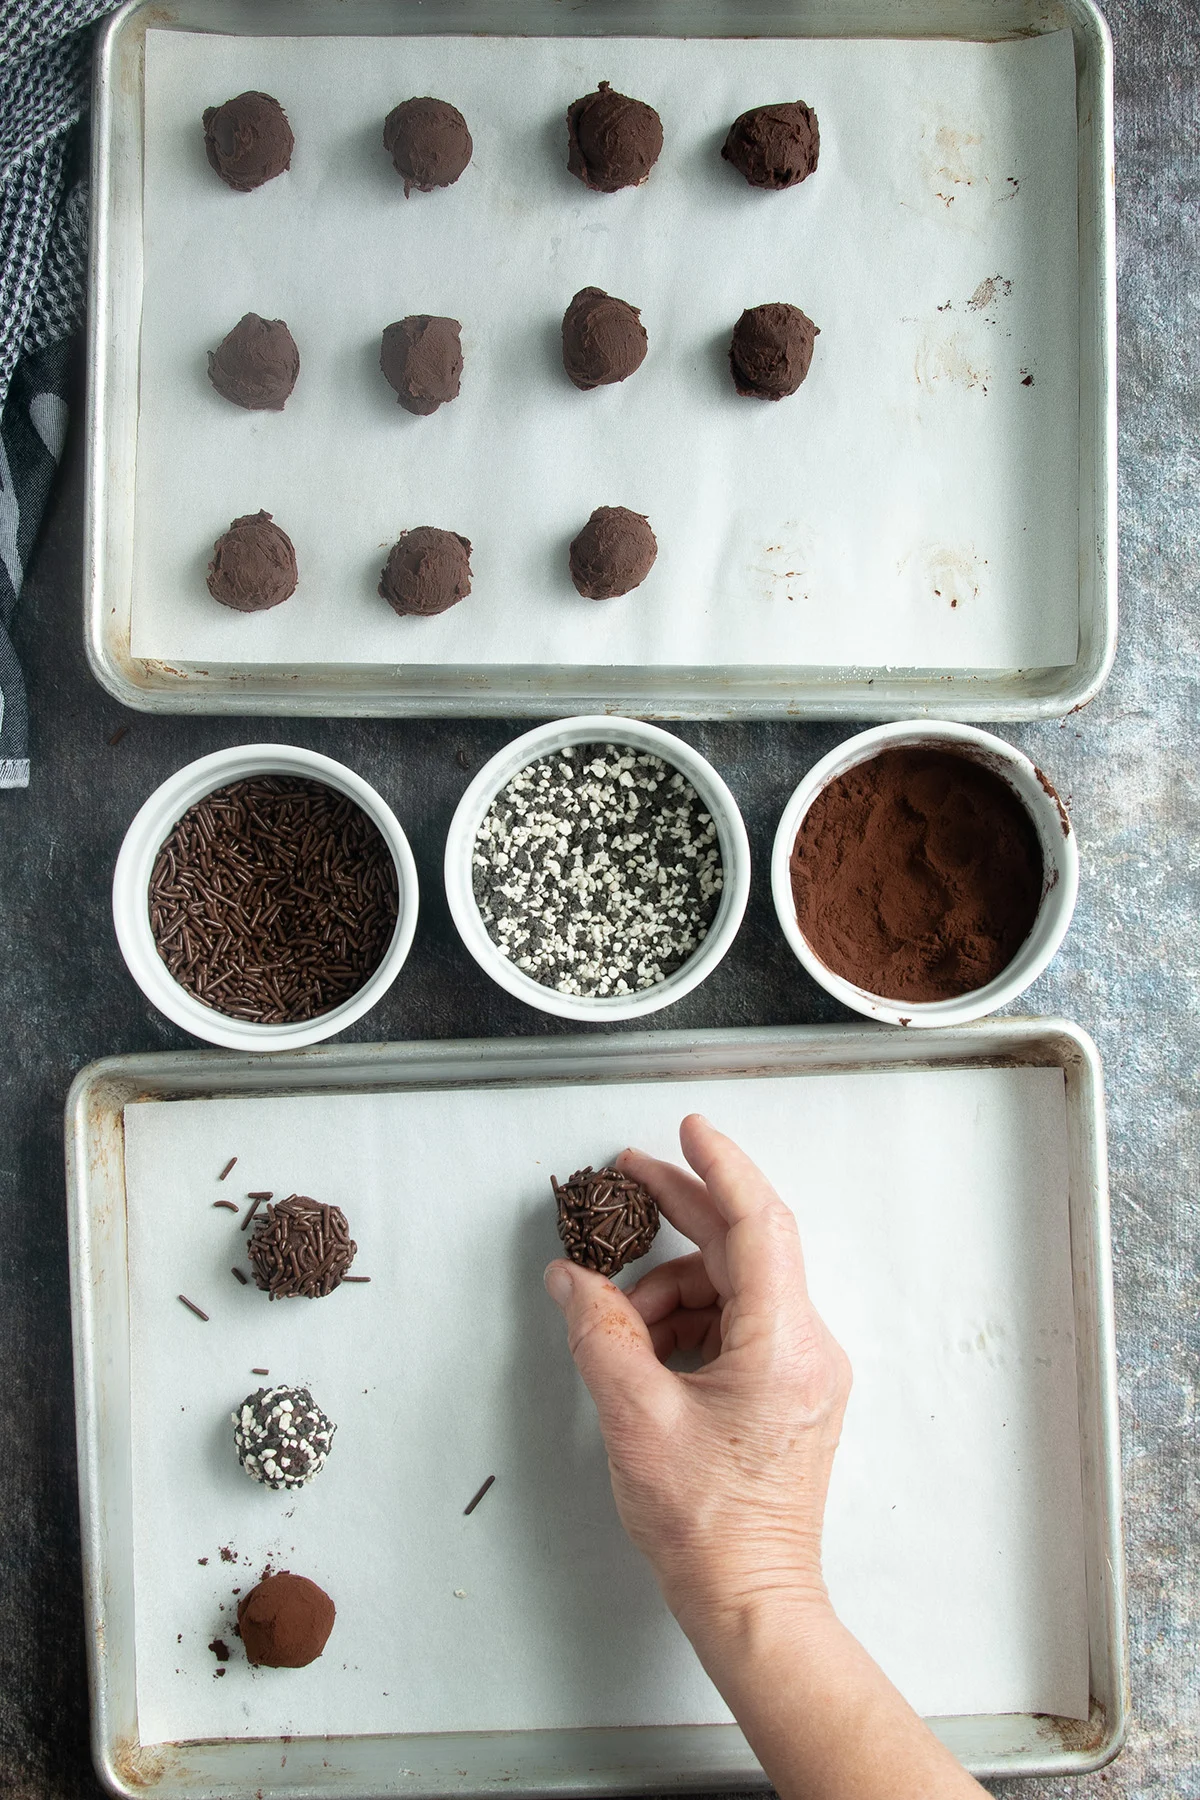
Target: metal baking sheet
x,y
561,1759
744,689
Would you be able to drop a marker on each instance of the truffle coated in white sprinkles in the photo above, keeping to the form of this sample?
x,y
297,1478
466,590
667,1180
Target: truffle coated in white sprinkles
x,y
282,1436
597,870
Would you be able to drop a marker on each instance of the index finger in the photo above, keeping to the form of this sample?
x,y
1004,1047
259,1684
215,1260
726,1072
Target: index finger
x,y
735,1186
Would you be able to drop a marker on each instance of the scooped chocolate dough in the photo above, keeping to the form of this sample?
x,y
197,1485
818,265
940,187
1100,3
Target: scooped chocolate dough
x,y
427,572
428,142
613,142
248,140
774,146
256,365
285,1621
604,339
771,350
613,553
422,359
253,566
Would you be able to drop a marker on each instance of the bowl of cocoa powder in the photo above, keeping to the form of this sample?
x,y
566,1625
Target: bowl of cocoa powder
x,y
925,873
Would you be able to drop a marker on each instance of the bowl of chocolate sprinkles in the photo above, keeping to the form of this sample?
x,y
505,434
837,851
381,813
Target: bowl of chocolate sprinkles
x,y
265,897
924,873
597,868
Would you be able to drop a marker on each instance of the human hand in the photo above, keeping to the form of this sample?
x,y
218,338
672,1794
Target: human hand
x,y
719,1475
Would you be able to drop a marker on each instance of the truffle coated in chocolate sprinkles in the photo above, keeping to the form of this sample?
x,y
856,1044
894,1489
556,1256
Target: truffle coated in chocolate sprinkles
x,y
597,870
301,1248
273,899
605,1219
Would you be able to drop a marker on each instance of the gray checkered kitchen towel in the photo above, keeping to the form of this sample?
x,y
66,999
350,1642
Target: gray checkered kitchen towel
x,y
45,65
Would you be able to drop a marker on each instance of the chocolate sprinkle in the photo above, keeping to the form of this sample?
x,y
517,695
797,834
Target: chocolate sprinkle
x,y
238,1276
257,1200
301,1248
469,1509
273,899
226,1169
229,1205
192,1307
605,1219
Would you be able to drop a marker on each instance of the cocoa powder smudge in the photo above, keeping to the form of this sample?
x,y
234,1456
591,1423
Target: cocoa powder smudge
x,y
917,875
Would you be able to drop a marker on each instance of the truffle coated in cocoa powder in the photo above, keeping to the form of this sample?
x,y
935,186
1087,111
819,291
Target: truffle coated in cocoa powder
x,y
774,146
248,140
285,1621
613,142
253,566
771,350
428,142
427,572
421,357
603,339
613,553
256,364
917,875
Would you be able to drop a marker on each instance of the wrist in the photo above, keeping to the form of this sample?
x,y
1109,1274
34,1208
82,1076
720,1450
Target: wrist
x,y
733,1611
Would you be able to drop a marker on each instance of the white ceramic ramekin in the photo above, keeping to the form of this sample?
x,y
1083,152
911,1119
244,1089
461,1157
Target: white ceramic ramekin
x,y
1060,862
598,729
131,886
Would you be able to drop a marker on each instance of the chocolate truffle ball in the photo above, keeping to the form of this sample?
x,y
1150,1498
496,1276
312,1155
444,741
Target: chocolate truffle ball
x,y
774,146
300,1248
613,553
422,360
253,565
285,1621
613,142
282,1437
771,350
605,1219
427,572
604,339
428,142
256,365
248,140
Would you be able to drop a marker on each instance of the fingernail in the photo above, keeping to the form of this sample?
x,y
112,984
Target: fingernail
x,y
558,1283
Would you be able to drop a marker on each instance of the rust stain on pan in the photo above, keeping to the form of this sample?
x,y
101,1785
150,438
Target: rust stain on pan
x,y
137,1766
1076,1734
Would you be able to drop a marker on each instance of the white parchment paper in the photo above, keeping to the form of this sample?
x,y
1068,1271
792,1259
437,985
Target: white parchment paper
x,y
914,505
934,1214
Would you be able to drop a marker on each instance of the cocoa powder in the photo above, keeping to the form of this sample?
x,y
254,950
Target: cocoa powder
x,y
917,875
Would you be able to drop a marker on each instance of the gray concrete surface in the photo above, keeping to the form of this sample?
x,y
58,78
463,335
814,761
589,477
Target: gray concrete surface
x,y
1128,972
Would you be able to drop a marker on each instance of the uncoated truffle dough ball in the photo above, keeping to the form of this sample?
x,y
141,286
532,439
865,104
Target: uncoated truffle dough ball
x,y
248,140
604,339
427,572
256,365
422,360
428,142
613,142
253,566
774,146
771,350
613,553
285,1621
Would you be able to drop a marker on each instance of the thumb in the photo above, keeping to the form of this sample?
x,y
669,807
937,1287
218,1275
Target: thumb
x,y
610,1343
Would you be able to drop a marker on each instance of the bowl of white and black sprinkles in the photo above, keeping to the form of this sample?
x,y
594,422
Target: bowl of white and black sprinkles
x,y
598,868
281,1436
265,897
